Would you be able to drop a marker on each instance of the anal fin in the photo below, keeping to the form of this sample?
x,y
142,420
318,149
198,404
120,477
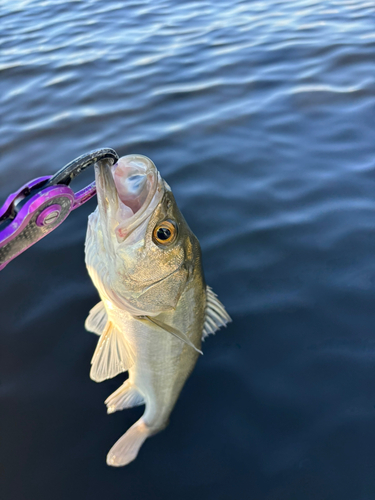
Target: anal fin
x,y
126,396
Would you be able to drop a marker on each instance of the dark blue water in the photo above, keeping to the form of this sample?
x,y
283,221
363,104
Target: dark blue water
x,y
261,116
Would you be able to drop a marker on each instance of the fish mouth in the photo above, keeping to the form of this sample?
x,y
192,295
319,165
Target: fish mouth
x,y
128,192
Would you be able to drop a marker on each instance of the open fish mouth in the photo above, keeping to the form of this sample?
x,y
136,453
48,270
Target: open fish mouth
x,y
127,192
135,179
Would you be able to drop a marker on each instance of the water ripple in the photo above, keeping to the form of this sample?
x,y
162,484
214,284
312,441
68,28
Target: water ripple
x,y
260,115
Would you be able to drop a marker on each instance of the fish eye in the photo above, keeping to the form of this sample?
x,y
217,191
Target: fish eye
x,y
165,233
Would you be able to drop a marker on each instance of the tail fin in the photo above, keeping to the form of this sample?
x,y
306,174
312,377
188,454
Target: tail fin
x,y
126,449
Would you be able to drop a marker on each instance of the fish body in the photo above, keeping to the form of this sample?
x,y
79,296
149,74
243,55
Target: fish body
x,y
155,306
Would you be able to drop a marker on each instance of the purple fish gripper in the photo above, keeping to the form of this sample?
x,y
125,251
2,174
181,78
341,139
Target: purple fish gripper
x,y
38,215
42,204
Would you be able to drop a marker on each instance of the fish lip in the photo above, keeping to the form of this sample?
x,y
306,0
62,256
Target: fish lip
x,y
105,184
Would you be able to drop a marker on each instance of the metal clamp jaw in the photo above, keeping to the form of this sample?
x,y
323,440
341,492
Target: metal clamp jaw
x,y
42,204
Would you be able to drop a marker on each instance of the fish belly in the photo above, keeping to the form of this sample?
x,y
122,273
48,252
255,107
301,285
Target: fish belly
x,y
163,363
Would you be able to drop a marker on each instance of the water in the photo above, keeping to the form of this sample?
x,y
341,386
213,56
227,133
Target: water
x,y
261,117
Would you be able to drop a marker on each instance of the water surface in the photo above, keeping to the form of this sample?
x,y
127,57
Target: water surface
x,y
261,117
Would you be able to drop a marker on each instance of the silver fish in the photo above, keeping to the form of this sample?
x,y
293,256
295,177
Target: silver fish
x,y
155,307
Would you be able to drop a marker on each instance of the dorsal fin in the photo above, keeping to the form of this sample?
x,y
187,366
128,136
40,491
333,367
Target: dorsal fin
x,y
216,315
97,319
112,355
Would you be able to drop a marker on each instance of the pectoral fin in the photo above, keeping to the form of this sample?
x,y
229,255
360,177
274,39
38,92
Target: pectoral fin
x,y
97,319
112,355
170,329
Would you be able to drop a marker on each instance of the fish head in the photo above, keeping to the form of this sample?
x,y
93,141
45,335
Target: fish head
x,y
139,246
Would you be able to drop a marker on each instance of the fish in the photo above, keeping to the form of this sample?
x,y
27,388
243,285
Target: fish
x,y
155,308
